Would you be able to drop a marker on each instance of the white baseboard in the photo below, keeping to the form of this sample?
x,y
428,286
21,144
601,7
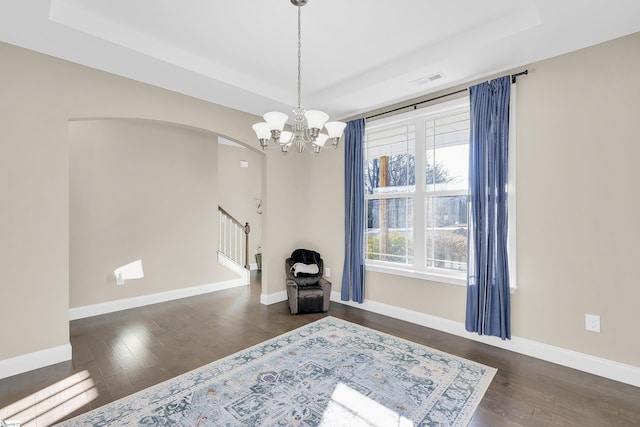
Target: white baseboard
x,y
38,359
621,372
268,299
125,304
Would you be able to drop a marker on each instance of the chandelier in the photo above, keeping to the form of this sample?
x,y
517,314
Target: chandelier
x,y
272,129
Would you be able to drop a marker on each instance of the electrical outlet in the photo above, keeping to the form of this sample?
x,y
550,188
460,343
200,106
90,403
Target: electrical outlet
x,y
592,322
327,272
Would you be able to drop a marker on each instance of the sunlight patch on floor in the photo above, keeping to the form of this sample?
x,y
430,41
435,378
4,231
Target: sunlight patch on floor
x,y
52,403
351,408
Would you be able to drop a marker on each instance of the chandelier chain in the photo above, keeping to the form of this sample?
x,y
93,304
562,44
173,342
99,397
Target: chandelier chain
x,y
299,57
272,129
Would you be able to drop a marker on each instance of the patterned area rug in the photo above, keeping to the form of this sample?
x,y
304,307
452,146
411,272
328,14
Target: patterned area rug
x,y
328,373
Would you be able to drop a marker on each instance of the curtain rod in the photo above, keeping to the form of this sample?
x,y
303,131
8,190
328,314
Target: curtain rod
x,y
515,76
415,104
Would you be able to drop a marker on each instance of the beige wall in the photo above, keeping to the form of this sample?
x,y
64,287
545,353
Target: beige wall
x,y
577,208
576,201
141,190
40,95
240,189
286,195
325,217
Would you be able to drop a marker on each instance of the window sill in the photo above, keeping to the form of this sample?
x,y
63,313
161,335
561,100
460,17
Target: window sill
x,y
420,274
416,274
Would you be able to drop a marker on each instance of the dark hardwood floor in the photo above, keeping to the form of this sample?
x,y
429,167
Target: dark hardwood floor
x,y
117,354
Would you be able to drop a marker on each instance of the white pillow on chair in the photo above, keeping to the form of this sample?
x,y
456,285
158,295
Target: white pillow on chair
x,y
299,267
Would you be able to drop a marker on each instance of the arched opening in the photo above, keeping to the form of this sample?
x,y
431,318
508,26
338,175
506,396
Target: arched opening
x,y
149,190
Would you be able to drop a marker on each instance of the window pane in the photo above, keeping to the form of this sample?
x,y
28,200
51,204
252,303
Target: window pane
x,y
433,146
390,230
390,160
446,232
447,152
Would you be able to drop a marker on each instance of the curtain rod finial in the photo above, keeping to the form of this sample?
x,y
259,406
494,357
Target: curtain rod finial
x,y
515,76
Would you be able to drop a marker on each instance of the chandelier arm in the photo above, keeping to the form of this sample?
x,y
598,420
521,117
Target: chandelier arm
x,y
306,136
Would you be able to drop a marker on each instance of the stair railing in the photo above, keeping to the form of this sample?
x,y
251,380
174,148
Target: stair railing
x,y
234,238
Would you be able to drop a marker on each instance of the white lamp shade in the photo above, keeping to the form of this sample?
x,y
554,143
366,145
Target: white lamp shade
x,y
285,137
321,139
316,119
262,130
335,129
275,120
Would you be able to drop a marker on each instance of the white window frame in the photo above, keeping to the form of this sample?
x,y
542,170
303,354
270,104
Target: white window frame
x,y
419,270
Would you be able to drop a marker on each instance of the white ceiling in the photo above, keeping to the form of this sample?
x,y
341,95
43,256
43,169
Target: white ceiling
x,y
357,55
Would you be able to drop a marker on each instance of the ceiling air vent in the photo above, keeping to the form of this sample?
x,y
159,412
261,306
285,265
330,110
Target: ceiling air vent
x,y
428,79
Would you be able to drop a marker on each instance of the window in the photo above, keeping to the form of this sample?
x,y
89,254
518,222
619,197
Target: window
x,y
416,192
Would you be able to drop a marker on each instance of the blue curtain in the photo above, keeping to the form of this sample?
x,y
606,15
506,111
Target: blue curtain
x,y
353,270
488,297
